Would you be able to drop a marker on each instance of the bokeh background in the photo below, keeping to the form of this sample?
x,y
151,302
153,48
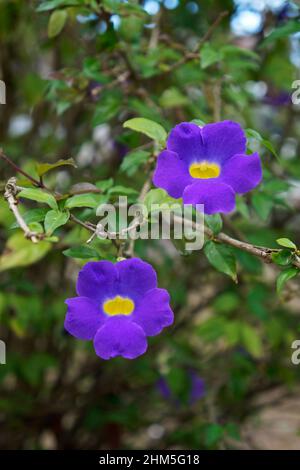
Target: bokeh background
x,y
221,377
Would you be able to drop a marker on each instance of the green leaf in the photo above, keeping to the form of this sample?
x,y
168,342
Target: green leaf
x,y
22,252
251,133
262,204
122,190
104,185
222,258
56,23
212,329
82,200
231,51
159,197
150,128
286,243
55,219
213,433
285,276
51,4
209,56
133,161
214,222
282,257
199,122
81,252
33,215
39,195
107,108
282,31
43,168
251,340
171,98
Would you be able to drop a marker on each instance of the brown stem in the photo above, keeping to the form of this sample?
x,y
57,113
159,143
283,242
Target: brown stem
x,y
11,191
19,170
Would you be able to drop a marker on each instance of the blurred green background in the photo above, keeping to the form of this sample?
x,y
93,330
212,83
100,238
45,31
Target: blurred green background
x,y
221,377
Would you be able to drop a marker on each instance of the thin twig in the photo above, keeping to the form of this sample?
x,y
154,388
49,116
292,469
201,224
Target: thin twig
x,y
11,191
19,170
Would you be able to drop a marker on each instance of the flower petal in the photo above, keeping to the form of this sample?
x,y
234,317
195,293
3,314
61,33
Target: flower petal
x,y
242,172
153,312
83,317
222,140
215,195
186,140
97,280
171,174
136,277
120,337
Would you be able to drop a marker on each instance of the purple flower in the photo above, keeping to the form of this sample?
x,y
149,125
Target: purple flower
x,y
207,165
118,306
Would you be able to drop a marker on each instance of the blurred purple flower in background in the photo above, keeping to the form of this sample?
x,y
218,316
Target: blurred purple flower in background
x,y
195,389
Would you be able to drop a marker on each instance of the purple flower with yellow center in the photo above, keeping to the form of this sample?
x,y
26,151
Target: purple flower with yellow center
x,y
207,165
118,306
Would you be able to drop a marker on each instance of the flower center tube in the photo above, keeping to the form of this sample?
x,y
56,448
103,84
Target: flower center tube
x,y
204,170
118,306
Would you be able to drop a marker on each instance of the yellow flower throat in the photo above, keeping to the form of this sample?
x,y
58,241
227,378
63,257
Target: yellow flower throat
x,y
204,170
118,306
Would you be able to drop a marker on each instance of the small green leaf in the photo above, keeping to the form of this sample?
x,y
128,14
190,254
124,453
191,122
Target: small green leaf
x,y
122,190
287,29
33,215
81,252
251,133
262,204
214,222
43,168
107,108
222,258
286,243
150,128
251,340
55,219
209,56
159,197
282,257
172,98
56,23
38,195
104,185
82,200
284,276
213,433
133,161
51,4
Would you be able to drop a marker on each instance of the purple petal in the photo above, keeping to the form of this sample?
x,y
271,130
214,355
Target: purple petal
x,y
215,195
153,312
83,317
136,277
97,280
197,388
171,174
186,140
222,140
242,172
120,337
